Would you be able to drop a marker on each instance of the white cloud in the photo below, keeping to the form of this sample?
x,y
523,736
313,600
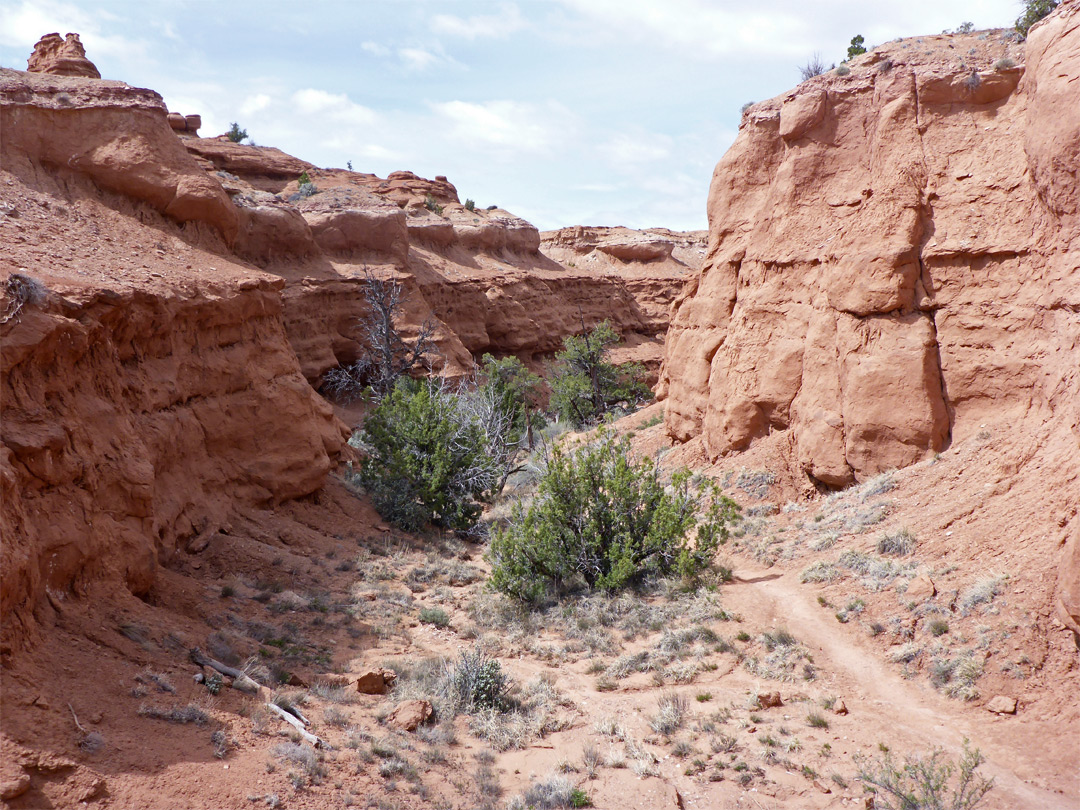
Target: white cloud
x,y
417,58
336,106
645,147
255,104
374,48
496,26
22,25
785,28
512,125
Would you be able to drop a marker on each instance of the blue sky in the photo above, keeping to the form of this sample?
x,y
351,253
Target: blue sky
x,y
566,112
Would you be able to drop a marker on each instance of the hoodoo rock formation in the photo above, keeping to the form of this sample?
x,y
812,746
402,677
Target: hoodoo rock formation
x,y
61,57
893,257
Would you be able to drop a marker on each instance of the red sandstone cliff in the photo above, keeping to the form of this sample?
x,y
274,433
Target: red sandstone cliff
x,y
894,263
157,375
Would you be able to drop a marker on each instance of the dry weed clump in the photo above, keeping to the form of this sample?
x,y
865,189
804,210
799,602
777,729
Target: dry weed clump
x,y
671,714
981,592
177,714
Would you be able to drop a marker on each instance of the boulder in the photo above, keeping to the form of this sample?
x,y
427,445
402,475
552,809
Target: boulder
x,y
1001,704
769,700
375,681
410,715
920,588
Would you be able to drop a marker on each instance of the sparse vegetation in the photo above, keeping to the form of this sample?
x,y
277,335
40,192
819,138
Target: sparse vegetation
x,y
177,714
20,290
816,720
900,544
933,782
553,793
435,616
478,682
604,520
431,204
470,205
671,714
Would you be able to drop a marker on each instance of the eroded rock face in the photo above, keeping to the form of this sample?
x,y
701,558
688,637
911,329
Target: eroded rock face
x,y
135,420
891,253
61,57
116,135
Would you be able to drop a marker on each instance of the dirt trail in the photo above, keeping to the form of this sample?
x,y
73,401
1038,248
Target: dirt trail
x,y
911,715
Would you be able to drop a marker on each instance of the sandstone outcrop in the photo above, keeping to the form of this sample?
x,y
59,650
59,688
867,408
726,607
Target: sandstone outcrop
x,y
115,135
61,57
185,124
892,257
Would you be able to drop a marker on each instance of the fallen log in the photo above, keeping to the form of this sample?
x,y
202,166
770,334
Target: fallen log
x,y
295,723
240,680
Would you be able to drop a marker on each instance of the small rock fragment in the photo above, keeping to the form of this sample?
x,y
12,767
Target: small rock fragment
x,y
14,786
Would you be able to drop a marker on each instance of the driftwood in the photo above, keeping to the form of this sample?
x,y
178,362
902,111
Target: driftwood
x,y
295,723
75,717
240,681
244,683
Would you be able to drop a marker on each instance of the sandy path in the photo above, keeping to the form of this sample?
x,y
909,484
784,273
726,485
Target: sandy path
x,y
910,714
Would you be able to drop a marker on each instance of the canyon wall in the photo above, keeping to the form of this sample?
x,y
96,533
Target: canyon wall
x,y
894,257
169,304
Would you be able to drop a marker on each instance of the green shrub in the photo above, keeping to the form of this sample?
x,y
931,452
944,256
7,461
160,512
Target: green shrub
x,y
435,616
235,134
425,459
1034,10
478,682
604,520
431,204
470,205
585,385
924,782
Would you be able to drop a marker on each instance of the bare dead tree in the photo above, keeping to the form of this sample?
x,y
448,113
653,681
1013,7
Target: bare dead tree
x,y
389,355
815,66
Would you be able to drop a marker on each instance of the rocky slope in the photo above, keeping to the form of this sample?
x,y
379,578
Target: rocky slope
x,y
894,265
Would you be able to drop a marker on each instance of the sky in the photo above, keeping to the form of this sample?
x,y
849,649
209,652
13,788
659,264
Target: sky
x,y
565,112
